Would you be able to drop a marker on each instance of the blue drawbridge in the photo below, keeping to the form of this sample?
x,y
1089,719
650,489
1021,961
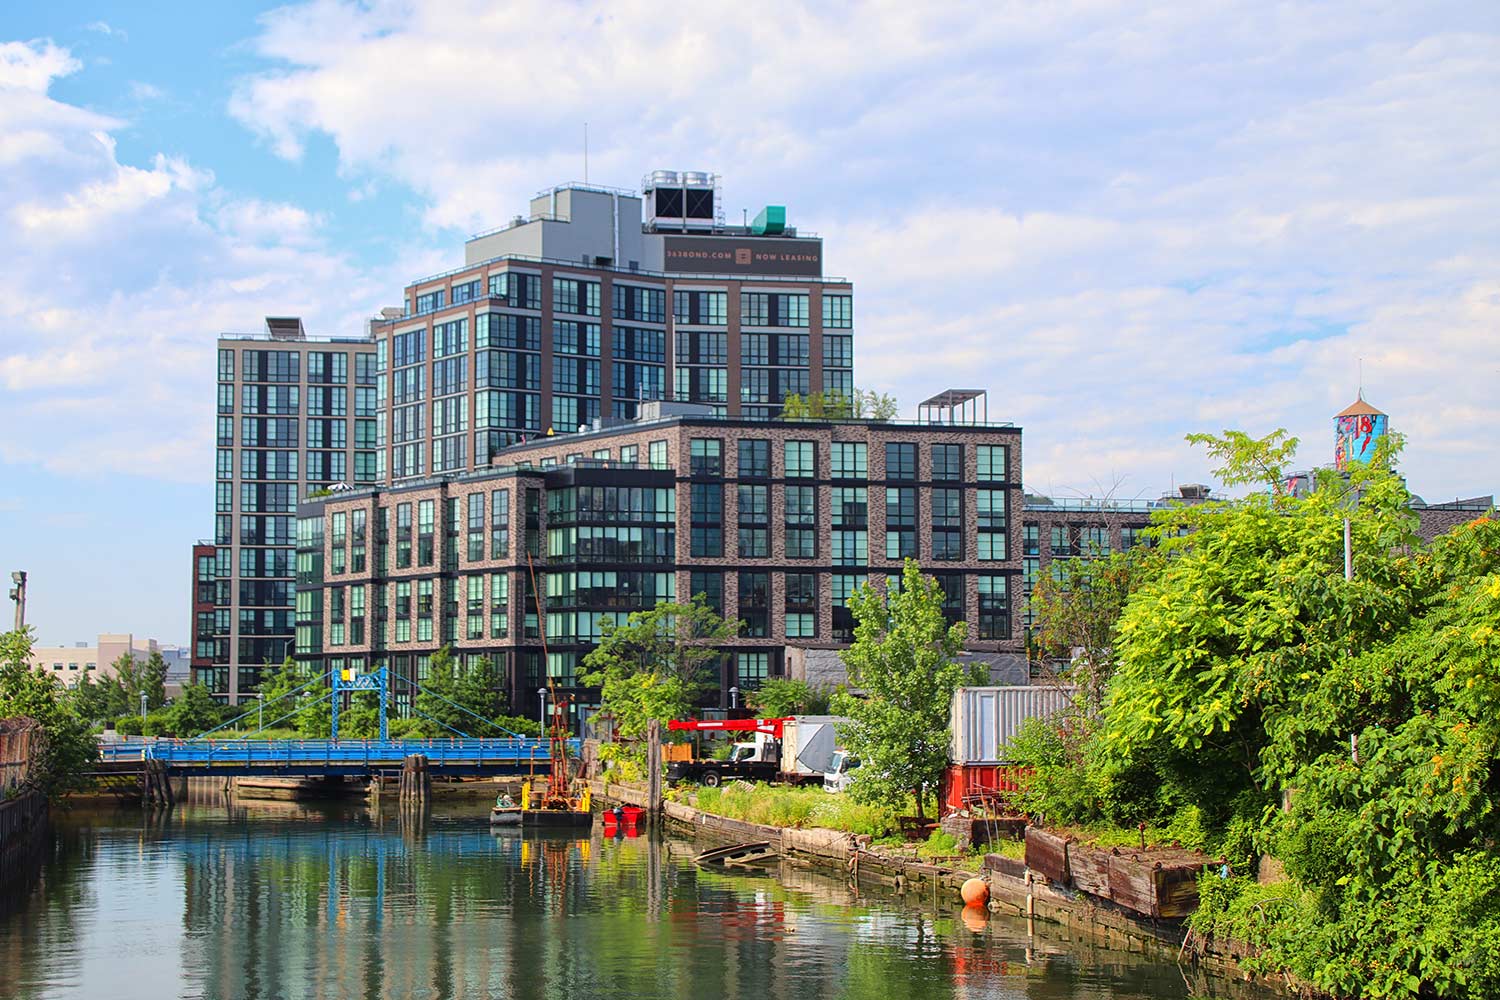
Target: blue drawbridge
x,y
244,755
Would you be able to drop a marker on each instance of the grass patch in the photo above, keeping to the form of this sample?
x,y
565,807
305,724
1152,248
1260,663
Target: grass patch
x,y
795,807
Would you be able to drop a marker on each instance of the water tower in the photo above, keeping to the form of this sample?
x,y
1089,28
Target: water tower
x,y
1358,429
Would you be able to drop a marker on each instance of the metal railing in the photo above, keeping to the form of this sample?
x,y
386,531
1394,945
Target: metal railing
x,y
615,268
273,754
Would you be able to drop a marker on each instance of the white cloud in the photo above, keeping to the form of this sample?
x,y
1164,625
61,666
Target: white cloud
x,y
1130,223
106,29
116,278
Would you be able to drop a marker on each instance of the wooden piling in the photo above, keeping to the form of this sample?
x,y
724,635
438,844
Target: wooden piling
x,y
653,767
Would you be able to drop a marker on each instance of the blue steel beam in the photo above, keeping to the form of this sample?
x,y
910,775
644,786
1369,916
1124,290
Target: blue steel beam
x,y
331,757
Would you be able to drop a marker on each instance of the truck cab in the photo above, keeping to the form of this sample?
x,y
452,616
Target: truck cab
x,y
838,777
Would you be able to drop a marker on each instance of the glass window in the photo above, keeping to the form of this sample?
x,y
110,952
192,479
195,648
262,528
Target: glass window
x,y
754,521
992,467
900,460
994,606
706,457
849,461
801,520
801,605
901,523
707,523
755,598
838,312
947,462
711,586
947,525
657,454
755,459
800,460
992,525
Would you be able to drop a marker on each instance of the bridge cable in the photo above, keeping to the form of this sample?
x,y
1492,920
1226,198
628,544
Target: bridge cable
x,y
488,722
261,707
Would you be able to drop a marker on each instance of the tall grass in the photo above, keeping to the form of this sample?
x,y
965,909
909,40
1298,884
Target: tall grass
x,y
795,807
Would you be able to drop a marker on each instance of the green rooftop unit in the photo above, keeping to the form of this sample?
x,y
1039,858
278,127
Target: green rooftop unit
x,y
770,221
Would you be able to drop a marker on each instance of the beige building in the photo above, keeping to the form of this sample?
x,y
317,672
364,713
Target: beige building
x,y
69,664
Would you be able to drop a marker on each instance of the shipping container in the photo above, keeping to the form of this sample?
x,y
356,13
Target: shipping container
x,y
986,787
985,719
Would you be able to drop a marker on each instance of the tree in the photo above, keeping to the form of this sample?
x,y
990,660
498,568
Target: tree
x,y
904,659
193,713
658,662
154,680
831,404
1077,608
130,674
90,700
462,697
783,696
69,748
1249,608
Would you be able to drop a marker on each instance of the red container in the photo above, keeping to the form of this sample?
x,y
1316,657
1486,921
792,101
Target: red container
x,y
967,785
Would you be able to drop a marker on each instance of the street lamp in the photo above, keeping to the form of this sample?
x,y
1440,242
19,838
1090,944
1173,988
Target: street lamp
x,y
734,697
541,694
143,708
260,710
18,594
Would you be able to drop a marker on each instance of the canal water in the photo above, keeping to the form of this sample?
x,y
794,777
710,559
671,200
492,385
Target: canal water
x,y
280,900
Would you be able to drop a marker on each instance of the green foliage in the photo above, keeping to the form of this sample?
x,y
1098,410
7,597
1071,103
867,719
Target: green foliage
x,y
1248,672
782,696
834,405
1077,608
154,681
904,658
130,725
657,663
939,844
623,761
69,747
795,807
466,698
192,713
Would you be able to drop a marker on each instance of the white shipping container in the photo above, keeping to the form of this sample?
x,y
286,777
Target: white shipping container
x,y
808,742
984,719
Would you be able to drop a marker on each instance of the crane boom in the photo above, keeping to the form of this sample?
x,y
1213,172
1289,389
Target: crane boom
x,y
770,727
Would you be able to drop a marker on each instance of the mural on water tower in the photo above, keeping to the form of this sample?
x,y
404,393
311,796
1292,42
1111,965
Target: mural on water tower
x,y
1357,432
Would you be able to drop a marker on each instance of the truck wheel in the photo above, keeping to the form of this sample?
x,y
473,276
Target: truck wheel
x,y
711,779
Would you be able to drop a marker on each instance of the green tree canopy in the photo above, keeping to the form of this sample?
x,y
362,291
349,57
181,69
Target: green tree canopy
x,y
904,661
658,662
1351,727
831,404
69,748
154,680
783,696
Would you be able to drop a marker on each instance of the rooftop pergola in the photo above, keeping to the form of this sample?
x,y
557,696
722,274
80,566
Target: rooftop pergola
x,y
955,406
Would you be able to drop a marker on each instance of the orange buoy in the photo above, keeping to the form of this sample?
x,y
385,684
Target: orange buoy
x,y
976,892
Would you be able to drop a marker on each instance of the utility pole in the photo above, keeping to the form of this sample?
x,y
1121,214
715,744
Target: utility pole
x,y
18,594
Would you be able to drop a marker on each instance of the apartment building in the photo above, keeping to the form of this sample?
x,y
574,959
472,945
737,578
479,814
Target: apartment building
x,y
295,415
775,522
598,301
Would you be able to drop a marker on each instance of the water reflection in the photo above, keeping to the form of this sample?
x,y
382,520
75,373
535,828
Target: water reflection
x,y
277,900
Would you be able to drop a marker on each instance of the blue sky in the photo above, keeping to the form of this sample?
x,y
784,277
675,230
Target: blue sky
x,y
1128,221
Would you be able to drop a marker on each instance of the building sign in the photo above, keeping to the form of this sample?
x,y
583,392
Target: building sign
x,y
742,255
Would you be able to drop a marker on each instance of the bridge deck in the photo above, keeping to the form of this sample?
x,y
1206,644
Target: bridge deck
x,y
327,757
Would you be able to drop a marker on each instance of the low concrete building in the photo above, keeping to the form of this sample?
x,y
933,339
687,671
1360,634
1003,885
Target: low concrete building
x,y
69,664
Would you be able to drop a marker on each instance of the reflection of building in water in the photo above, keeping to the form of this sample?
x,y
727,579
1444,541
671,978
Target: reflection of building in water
x,y
279,912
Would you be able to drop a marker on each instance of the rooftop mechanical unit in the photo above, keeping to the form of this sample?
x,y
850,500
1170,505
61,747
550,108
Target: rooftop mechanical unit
x,y
682,201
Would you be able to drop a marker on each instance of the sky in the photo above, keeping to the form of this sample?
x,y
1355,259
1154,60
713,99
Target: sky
x,y
1127,221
